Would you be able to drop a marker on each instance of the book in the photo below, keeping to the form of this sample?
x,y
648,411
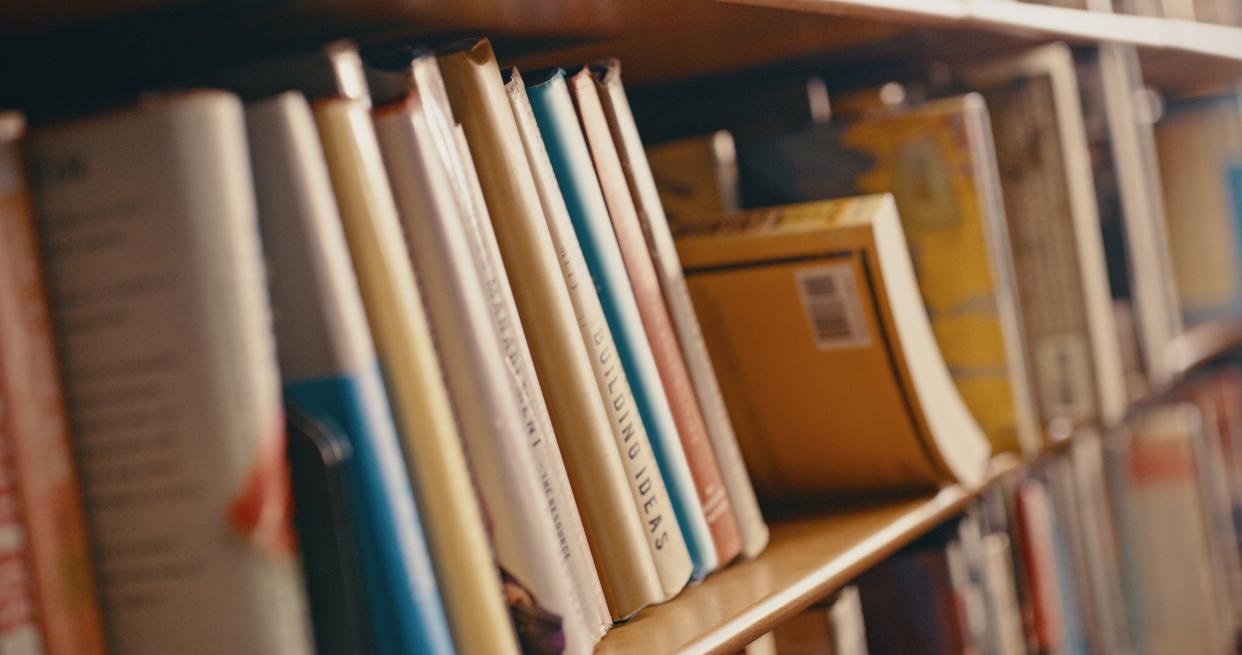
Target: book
x,y
912,589
571,163
664,539
1039,559
330,371
938,161
509,195
470,316
42,490
999,588
153,261
1054,232
1200,144
847,352
323,502
663,253
661,335
696,174
420,71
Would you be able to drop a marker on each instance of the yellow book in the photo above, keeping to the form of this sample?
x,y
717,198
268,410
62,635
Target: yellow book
x,y
467,575
696,175
826,357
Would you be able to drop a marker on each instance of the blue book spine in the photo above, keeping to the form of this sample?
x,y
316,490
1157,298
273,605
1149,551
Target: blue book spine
x,y
571,162
403,602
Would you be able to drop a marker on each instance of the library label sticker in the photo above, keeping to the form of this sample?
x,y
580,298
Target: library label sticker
x,y
830,297
1064,372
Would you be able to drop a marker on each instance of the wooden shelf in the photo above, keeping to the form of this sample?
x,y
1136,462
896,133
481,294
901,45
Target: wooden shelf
x,y
807,559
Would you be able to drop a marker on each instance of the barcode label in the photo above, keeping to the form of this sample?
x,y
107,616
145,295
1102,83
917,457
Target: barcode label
x,y
830,298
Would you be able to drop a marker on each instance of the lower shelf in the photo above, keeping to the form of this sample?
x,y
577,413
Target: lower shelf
x,y
807,559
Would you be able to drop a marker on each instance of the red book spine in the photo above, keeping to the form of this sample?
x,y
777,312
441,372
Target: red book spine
x,y
657,323
36,431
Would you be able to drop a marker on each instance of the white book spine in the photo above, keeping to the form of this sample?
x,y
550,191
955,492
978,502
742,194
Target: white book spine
x,y
479,342
159,294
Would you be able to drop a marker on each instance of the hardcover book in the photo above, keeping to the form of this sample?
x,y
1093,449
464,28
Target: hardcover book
x,y
696,175
826,356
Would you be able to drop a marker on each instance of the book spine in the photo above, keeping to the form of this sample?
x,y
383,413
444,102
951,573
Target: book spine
x,y
507,192
571,161
465,309
465,569
330,370
700,454
664,538
677,296
448,144
19,624
48,504
158,292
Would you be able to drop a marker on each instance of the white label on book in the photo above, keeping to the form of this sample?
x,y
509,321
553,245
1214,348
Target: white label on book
x,y
1065,376
830,298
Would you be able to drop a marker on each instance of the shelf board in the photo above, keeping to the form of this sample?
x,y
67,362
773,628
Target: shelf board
x,y
807,559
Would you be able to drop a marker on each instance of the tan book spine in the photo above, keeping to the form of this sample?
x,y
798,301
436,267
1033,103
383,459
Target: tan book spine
x,y
614,530
467,575
681,308
700,454
34,429
664,536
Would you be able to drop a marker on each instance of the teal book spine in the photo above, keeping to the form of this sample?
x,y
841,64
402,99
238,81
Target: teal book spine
x,y
571,163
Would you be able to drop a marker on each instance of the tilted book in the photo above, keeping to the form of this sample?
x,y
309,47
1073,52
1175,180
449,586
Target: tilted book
x,y
407,70
330,371
664,539
460,282
159,298
479,102
663,253
661,335
827,359
571,162
1054,233
938,162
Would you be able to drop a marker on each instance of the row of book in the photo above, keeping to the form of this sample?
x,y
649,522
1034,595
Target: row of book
x,y
503,429
1125,542
1220,12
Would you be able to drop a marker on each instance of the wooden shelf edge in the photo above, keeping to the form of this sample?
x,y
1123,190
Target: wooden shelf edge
x,y
808,559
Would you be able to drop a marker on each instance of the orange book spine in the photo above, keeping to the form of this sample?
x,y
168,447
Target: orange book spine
x,y
37,431
657,323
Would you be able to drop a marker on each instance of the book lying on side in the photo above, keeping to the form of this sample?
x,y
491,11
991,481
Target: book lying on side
x,y
330,371
938,161
666,545
826,356
40,472
571,162
1054,231
534,546
158,293
504,204
645,284
681,309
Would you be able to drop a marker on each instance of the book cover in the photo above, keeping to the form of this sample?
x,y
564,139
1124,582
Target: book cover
x,y
696,175
663,253
650,495
43,493
939,163
571,162
421,72
661,335
533,543
456,533
1054,232
826,356
158,293
330,371
506,203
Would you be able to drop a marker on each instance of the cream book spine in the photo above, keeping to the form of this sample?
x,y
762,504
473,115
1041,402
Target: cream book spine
x,y
421,73
462,294
469,582
153,261
677,298
664,538
476,93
